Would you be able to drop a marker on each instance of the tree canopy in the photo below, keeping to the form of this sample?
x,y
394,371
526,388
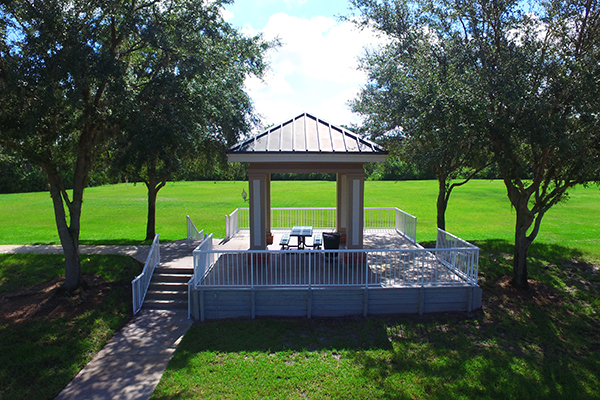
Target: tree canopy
x,y
70,69
418,100
187,102
523,81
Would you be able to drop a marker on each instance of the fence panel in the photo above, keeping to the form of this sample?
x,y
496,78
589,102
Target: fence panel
x,y
462,258
286,218
319,268
326,218
406,225
203,256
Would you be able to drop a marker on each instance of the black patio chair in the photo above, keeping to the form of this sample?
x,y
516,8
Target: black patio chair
x,y
331,241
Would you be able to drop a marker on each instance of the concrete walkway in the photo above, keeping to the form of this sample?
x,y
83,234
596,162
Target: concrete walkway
x,y
132,363
138,252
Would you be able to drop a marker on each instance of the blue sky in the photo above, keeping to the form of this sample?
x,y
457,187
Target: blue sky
x,y
258,12
315,69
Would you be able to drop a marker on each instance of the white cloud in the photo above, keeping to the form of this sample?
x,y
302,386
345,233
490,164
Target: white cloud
x,y
315,69
227,14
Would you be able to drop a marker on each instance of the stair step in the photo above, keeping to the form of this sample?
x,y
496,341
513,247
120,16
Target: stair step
x,y
178,286
166,295
168,288
174,270
167,277
165,304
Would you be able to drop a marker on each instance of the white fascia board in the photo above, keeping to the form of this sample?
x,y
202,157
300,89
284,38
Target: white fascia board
x,y
275,157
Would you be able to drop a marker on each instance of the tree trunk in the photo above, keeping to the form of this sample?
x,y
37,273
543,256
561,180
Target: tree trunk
x,y
525,219
69,237
520,262
151,223
442,204
153,186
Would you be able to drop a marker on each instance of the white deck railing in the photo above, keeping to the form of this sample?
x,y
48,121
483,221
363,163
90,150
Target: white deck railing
x,y
325,218
464,264
139,286
320,268
192,232
202,258
232,222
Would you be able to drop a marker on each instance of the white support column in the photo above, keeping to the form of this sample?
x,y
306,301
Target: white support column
x,y
356,201
259,210
342,205
269,234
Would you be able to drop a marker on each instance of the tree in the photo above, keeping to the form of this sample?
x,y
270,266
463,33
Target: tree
x,y
418,98
65,85
533,75
189,102
538,78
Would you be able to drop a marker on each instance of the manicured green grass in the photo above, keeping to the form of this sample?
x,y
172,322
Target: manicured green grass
x,y
543,343
41,353
539,344
117,213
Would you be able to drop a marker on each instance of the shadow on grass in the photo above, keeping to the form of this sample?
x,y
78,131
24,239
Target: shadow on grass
x,y
116,242
42,350
539,343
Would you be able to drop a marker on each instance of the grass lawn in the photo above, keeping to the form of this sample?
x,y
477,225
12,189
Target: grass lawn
x,y
540,344
47,335
117,213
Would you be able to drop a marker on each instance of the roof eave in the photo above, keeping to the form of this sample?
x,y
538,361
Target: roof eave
x,y
279,157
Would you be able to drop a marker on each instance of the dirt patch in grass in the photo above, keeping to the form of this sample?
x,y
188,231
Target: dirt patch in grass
x,y
537,292
50,299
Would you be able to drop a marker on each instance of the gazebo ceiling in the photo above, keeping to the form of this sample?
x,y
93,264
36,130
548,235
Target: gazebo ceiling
x,y
306,139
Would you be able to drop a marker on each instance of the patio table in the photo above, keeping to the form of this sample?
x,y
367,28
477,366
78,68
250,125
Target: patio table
x,y
302,232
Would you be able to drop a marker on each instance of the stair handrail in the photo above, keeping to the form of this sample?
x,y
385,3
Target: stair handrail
x,y
139,286
192,232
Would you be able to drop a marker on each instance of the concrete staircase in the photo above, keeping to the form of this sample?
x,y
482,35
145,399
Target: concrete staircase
x,y
168,288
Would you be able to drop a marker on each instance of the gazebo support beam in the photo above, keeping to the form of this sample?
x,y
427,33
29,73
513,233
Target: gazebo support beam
x,y
342,205
260,210
355,212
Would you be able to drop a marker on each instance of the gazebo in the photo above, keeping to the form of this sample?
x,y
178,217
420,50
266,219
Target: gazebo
x,y
307,144
381,269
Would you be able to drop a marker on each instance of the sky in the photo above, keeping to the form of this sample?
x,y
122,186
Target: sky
x,y
315,68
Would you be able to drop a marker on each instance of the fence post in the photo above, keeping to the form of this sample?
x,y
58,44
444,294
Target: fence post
x,y
227,228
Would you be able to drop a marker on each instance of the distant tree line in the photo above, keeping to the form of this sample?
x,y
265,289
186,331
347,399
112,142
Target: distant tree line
x,y
19,176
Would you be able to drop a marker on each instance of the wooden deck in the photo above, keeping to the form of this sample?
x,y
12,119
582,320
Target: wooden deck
x,y
326,283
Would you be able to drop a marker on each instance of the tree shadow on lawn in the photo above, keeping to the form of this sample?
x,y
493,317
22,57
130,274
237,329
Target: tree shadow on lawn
x,y
46,334
117,242
540,343
41,351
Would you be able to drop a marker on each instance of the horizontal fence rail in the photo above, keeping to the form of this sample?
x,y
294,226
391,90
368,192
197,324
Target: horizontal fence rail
x,y
325,218
324,268
464,264
139,286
